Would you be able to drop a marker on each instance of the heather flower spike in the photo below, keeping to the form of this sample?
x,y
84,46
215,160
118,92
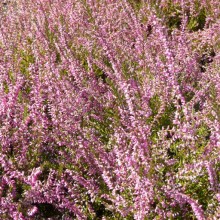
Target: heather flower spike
x,y
109,109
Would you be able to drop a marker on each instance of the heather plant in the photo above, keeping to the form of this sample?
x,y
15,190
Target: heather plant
x,y
110,109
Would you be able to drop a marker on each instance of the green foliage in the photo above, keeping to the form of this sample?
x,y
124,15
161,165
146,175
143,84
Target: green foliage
x,y
46,167
6,87
203,135
136,4
197,22
47,210
103,127
100,210
154,104
26,59
165,119
172,13
50,36
99,73
199,189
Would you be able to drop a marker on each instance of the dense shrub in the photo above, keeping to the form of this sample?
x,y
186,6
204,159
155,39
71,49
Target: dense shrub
x,y
110,109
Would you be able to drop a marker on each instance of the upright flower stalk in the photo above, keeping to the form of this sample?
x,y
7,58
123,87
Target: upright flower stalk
x,y
109,109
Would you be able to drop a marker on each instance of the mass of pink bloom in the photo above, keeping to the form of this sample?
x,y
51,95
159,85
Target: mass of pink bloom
x,y
110,109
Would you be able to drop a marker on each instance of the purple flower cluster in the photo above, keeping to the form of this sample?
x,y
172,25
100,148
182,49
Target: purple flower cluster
x,y
110,109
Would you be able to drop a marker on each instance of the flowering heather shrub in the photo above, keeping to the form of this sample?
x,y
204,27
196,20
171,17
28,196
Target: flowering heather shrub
x,y
110,109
